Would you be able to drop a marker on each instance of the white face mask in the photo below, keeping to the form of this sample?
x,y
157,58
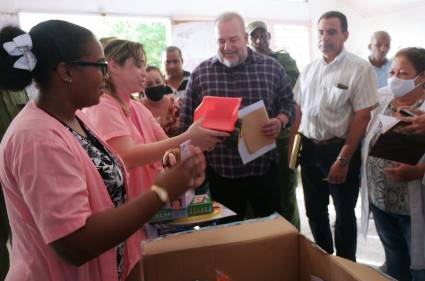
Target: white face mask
x,y
400,87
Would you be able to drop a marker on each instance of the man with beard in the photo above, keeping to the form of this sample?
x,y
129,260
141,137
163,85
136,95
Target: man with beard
x,y
237,71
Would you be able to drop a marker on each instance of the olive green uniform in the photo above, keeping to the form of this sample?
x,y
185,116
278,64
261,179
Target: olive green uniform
x,y
10,104
287,177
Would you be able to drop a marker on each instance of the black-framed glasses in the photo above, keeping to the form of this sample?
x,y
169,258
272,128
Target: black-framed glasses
x,y
103,66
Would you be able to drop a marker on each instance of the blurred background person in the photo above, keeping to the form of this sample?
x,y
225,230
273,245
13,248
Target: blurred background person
x,y
175,77
11,102
380,44
259,40
164,107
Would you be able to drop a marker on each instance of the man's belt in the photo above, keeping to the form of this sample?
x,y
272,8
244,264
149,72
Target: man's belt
x,y
328,141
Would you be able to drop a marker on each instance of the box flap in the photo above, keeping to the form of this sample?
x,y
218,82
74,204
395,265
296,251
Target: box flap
x,y
344,269
314,262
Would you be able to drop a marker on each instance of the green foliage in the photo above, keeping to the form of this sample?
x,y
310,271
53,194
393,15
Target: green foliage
x,y
151,35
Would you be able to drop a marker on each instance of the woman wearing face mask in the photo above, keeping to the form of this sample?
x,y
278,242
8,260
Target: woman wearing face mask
x,y
163,106
392,190
128,126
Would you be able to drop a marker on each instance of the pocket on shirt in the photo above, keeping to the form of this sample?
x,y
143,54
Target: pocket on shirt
x,y
336,98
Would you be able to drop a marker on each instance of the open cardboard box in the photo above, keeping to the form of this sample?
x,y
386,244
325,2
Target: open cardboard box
x,y
269,249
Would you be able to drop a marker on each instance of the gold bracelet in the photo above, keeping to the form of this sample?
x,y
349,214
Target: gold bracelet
x,y
161,192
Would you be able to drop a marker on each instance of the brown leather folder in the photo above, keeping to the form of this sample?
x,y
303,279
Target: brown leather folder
x,y
404,148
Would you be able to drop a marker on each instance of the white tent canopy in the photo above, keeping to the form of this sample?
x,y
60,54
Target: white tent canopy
x,y
403,19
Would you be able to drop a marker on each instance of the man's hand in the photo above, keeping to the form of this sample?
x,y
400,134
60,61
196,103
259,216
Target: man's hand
x,y
272,128
337,173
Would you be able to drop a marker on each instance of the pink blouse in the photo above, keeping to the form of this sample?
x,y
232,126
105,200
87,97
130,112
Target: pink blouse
x,y
51,188
110,120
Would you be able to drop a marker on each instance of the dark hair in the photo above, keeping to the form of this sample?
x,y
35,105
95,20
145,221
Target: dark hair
x,y
335,14
170,49
150,68
54,41
416,56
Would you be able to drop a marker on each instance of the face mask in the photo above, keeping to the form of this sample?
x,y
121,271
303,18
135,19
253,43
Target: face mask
x,y
400,87
155,93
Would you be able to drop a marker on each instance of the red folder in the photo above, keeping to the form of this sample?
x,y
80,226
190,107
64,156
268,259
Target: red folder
x,y
220,113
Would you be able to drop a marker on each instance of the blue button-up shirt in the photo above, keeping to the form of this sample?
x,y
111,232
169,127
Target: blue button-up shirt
x,y
382,73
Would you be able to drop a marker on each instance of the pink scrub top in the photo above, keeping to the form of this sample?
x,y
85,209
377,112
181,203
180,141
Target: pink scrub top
x,y
51,188
111,122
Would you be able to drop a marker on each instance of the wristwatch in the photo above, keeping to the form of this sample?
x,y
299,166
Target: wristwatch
x,y
342,161
161,192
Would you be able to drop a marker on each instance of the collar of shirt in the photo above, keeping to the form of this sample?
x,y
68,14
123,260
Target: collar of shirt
x,y
384,65
338,58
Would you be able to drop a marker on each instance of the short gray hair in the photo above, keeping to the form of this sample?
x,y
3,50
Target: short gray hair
x,y
227,16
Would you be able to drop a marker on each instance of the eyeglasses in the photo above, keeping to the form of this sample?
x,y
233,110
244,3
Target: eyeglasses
x,y
103,66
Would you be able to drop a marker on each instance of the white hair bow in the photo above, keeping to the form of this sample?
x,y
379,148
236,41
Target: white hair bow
x,y
21,46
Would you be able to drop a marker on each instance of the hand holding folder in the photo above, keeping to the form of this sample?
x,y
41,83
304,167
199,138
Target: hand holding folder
x,y
252,124
252,143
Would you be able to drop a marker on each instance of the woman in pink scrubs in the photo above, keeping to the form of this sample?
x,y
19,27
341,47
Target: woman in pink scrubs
x,y
71,213
128,126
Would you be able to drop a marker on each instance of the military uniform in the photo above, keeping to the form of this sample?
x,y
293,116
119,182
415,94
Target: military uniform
x,y
10,104
287,177
289,64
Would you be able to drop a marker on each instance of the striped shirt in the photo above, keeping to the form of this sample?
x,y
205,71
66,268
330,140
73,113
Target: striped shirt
x,y
259,77
330,93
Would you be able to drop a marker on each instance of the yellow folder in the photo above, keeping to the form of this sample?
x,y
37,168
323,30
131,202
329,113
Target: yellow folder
x,y
252,124
295,152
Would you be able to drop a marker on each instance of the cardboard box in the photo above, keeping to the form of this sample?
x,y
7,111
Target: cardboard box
x,y
268,249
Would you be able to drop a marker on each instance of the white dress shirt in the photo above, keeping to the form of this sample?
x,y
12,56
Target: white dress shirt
x,y
330,93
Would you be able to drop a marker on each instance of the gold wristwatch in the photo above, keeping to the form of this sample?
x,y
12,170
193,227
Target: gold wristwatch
x,y
161,192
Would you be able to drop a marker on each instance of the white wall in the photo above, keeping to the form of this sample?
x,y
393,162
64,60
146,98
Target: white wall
x,y
8,19
406,27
